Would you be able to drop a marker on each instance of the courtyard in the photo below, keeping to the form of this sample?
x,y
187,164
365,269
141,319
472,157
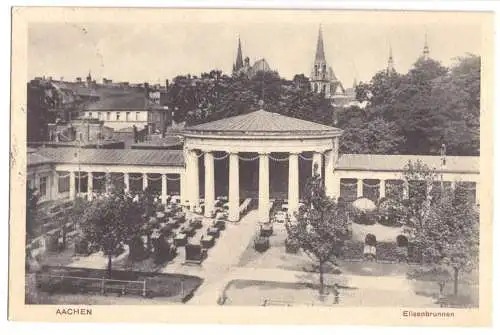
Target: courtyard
x,y
234,273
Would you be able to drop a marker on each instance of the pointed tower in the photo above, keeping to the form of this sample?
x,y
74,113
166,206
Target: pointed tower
x,y
426,49
390,62
321,75
239,57
320,48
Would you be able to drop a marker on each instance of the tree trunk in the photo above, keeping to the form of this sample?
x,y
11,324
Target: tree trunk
x,y
109,265
321,280
455,282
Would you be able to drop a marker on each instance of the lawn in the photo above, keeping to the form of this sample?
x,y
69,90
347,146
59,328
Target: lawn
x,y
88,282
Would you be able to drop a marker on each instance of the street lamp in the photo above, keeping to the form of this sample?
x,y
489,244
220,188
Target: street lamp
x,y
443,164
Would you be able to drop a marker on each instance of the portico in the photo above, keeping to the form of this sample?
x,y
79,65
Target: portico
x,y
263,135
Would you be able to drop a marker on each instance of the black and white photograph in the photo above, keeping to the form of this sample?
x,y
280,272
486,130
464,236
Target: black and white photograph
x,y
321,159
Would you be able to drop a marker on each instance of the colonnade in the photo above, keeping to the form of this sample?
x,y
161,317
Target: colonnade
x,y
382,186
192,175
73,175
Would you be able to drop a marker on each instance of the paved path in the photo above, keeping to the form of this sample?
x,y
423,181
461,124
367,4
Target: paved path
x,y
210,293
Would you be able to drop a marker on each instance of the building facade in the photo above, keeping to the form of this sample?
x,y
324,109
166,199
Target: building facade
x,y
229,152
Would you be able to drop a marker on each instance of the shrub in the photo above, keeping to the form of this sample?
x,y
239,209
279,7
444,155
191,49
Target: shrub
x,y
387,251
371,240
414,253
352,250
137,250
291,246
390,213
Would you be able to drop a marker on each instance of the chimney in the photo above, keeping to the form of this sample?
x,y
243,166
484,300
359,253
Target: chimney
x,y
166,84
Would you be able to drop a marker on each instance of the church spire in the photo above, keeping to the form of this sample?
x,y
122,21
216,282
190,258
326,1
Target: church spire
x,y
320,48
426,48
239,57
390,61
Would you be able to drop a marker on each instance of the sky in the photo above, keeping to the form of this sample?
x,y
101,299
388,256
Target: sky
x,y
356,44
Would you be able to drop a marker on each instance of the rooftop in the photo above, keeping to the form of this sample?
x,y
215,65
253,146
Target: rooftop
x,y
160,143
367,162
107,156
120,100
263,122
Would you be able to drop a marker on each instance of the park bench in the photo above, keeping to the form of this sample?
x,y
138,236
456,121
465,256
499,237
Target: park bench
x,y
188,229
213,231
180,239
195,253
266,229
207,241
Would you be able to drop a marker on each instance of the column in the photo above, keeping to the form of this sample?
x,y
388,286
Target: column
x,y
234,187
126,182
107,182
72,188
263,187
335,151
55,185
360,188
318,161
329,178
144,181
194,181
382,189
90,185
37,182
293,183
164,190
183,189
209,183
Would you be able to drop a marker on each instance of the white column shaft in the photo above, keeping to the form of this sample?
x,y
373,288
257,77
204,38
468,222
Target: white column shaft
x,y
209,183
126,182
263,188
144,181
194,181
90,185
107,182
234,187
330,186
293,183
382,189
72,188
164,190
55,185
183,189
360,188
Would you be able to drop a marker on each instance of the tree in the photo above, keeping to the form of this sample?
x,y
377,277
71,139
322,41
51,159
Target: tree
x,y
111,222
321,226
449,239
444,227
